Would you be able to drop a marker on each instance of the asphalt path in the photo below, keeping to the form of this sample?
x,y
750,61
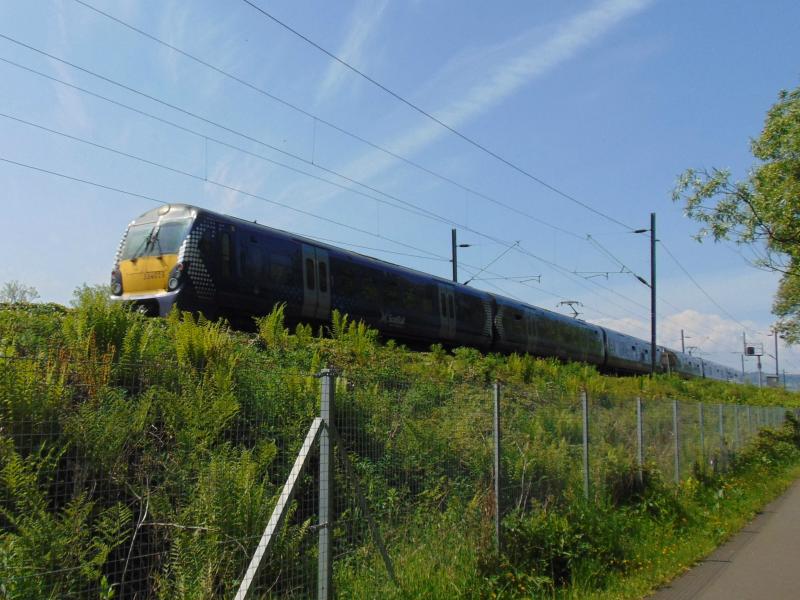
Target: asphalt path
x,y
762,562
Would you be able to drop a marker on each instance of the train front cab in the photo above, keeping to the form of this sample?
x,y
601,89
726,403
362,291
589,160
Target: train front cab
x,y
148,270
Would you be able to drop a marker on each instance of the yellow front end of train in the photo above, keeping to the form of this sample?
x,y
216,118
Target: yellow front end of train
x,y
149,265
146,275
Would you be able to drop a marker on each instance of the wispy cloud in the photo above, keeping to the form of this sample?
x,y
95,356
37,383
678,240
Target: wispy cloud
x,y
179,26
71,107
530,58
505,68
708,335
242,173
364,21
718,334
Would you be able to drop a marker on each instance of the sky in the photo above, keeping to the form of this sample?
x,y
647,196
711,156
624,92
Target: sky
x,y
601,103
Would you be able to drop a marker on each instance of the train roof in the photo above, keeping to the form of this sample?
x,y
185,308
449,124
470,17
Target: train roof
x,y
306,240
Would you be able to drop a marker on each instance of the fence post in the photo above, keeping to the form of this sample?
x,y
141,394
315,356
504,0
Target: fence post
x,y
639,440
497,475
736,441
325,557
702,427
585,404
676,441
721,436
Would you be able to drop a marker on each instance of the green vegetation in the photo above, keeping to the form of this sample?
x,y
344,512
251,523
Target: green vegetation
x,y
761,210
143,457
14,292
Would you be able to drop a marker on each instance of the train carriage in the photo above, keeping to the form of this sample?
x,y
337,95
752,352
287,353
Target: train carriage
x,y
197,260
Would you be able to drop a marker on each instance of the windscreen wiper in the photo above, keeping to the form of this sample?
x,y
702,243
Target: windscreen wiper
x,y
154,238
144,245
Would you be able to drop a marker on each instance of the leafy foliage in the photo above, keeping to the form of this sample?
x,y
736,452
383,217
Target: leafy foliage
x,y
190,428
271,330
15,292
761,210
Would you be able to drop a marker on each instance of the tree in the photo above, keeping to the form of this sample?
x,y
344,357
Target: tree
x,y
14,292
762,210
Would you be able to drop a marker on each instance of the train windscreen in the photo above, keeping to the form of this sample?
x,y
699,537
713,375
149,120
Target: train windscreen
x,y
150,239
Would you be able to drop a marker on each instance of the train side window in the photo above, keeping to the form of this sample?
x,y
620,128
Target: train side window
x,y
255,264
443,304
428,299
323,277
280,269
310,273
225,242
452,307
390,290
243,267
346,278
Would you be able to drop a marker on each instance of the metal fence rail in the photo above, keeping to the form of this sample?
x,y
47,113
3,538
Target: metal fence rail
x,y
163,481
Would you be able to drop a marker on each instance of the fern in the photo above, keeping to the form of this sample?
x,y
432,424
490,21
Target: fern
x,y
271,330
339,322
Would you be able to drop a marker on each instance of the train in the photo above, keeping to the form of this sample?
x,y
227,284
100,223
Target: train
x,y
189,258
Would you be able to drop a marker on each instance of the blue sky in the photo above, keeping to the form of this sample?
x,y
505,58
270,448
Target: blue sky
x,y
607,100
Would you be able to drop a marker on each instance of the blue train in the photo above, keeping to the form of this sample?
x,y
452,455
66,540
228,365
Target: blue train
x,y
201,261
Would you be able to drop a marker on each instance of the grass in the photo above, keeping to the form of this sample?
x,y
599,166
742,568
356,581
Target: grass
x,y
195,426
580,550
664,553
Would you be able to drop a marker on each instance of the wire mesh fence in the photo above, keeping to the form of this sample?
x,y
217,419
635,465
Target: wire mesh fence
x,y
141,480
145,480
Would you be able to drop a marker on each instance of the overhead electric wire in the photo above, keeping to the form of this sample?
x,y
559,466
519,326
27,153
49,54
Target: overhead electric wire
x,y
428,115
256,155
263,143
503,291
705,293
224,186
352,245
493,261
355,136
509,278
626,268
328,123
609,254
80,180
190,114
263,198
210,122
579,280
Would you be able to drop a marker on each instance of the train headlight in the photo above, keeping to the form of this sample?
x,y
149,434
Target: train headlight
x,y
175,277
116,283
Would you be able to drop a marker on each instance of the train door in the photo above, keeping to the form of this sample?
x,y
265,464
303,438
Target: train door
x,y
316,283
324,287
447,312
